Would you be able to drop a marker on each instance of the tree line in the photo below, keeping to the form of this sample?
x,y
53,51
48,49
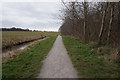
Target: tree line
x,y
92,21
14,29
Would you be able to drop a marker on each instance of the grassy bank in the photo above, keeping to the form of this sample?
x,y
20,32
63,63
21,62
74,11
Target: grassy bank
x,y
89,63
29,62
10,38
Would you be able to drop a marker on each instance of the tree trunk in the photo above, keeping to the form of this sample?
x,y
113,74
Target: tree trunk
x,y
119,13
103,23
110,23
85,20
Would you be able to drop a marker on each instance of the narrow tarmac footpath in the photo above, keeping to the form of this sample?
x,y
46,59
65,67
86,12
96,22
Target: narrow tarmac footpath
x,y
57,63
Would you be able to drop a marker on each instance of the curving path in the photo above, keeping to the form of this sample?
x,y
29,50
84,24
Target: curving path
x,y
57,64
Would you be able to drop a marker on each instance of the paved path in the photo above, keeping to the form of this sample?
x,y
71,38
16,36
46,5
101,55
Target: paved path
x,y
57,64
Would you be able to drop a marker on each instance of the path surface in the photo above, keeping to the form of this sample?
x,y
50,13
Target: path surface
x,y
57,64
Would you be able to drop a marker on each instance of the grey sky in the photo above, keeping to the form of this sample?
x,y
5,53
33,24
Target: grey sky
x,y
32,15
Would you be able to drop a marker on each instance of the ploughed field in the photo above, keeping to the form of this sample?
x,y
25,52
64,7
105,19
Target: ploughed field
x,y
10,38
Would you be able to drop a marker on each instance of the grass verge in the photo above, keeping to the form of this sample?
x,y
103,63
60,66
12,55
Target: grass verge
x,y
29,62
89,64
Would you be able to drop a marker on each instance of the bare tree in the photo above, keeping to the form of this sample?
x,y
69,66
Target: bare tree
x,y
91,21
111,21
103,23
85,19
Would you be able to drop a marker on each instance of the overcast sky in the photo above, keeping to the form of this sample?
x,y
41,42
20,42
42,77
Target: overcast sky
x,y
31,15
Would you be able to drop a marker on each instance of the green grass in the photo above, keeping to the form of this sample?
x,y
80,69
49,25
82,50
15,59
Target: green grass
x,y
89,64
29,62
